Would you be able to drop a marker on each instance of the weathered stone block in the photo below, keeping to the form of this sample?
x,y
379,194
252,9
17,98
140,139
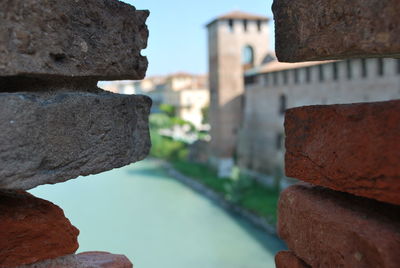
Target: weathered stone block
x,y
353,148
51,137
333,229
309,30
32,229
92,38
85,260
286,259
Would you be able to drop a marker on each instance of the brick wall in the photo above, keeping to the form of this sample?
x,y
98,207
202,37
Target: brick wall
x,y
346,213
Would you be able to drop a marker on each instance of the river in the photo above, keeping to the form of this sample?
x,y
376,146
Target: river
x,y
154,220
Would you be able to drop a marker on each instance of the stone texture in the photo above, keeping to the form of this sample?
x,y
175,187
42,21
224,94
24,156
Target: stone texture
x,y
308,30
85,260
353,148
91,38
286,259
32,229
52,137
326,228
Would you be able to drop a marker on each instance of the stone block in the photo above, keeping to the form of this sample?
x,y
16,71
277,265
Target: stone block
x,y
101,39
308,30
51,137
353,148
286,259
326,228
85,260
32,229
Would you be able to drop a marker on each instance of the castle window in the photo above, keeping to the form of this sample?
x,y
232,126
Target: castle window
x,y
259,25
266,79
282,104
250,80
321,73
335,73
285,77
364,72
349,70
398,66
381,67
245,25
296,75
230,23
248,57
279,141
308,74
275,78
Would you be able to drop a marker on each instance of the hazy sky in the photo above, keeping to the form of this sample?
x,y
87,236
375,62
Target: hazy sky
x,y
177,34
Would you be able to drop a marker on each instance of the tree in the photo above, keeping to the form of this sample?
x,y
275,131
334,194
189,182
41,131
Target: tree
x,y
168,110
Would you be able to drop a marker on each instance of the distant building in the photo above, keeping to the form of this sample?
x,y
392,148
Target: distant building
x,y
275,87
270,87
188,93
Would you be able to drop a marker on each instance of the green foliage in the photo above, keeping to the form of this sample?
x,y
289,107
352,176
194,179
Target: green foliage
x,y
166,148
158,121
168,110
181,122
240,184
201,173
240,189
261,200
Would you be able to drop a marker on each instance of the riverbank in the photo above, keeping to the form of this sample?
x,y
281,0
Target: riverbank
x,y
265,222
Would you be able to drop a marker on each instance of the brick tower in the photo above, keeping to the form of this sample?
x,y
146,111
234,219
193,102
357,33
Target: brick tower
x,y
237,41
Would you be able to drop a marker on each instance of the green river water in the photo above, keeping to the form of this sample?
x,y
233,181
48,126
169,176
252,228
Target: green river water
x,y
157,222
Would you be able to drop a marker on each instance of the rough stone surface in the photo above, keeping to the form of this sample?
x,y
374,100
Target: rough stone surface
x,y
51,137
326,228
90,38
286,259
32,229
352,148
85,260
308,30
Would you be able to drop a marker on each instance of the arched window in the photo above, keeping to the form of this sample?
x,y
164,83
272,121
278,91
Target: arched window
x,y
248,57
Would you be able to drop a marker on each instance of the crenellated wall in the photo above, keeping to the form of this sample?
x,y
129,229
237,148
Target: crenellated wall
x,y
261,138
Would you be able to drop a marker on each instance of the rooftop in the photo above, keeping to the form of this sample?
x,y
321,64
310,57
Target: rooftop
x,y
239,15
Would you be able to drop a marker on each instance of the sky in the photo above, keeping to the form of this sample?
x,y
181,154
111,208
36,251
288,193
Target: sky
x,y
178,37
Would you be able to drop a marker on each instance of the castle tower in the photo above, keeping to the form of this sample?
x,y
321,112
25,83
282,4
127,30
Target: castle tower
x,y
237,41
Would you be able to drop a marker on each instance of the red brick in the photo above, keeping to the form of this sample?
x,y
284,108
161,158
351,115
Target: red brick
x,y
326,228
353,148
335,29
32,229
286,259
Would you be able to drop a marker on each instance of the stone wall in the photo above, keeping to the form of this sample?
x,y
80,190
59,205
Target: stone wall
x,y
346,213
56,124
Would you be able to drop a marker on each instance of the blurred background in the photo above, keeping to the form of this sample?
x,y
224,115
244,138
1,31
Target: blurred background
x,y
219,99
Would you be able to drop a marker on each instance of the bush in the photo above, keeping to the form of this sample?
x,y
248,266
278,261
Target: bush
x,y
157,121
166,148
169,110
